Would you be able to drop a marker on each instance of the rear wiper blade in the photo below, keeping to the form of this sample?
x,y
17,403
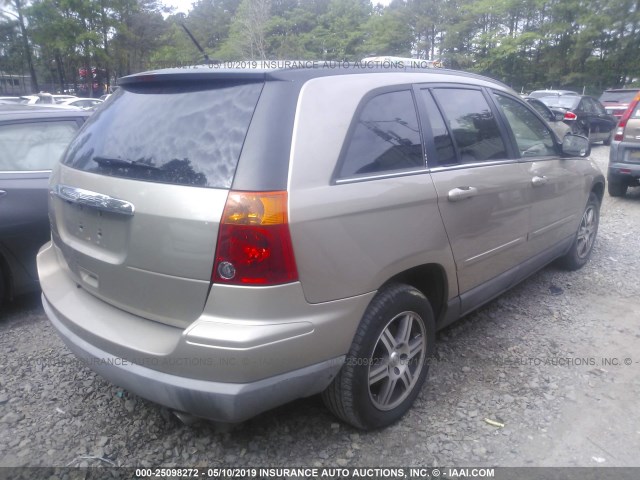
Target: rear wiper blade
x,y
119,162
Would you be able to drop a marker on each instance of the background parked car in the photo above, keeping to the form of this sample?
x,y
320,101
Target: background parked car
x,y
585,115
617,100
548,93
5,100
81,102
39,98
624,155
61,98
554,117
32,139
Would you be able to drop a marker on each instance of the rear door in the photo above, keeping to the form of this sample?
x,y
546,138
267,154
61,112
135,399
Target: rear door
x,y
29,149
481,188
554,189
138,198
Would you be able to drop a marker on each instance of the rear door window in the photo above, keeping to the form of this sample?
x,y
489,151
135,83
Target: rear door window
x,y
445,153
472,124
34,146
386,137
169,134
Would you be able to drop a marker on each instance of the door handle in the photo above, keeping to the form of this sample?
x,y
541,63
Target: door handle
x,y
2,193
460,193
539,181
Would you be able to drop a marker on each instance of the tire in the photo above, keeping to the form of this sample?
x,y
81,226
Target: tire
x,y
582,246
617,189
607,141
387,363
3,286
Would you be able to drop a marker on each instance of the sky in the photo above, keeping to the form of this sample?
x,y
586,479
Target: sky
x,y
185,5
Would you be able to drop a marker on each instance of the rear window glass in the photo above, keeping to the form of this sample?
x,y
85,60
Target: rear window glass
x,y
386,138
168,134
566,101
34,146
618,97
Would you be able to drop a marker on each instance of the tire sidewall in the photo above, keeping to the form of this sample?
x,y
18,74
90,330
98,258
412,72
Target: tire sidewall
x,y
404,300
576,261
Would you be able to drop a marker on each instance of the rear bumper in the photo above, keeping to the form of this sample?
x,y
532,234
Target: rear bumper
x,y
619,169
251,349
223,402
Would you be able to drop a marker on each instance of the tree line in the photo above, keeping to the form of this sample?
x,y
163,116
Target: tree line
x,y
528,44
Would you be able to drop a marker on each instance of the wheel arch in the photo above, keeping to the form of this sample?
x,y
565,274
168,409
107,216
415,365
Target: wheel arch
x,y
598,190
431,280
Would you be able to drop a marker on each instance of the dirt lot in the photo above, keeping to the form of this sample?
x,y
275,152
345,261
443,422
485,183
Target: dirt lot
x,y
556,360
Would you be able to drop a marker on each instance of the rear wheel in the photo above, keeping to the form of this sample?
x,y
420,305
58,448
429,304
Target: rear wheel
x,y
583,242
387,363
617,189
607,141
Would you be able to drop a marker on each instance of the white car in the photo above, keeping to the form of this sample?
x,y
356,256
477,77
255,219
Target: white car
x,y
61,98
83,103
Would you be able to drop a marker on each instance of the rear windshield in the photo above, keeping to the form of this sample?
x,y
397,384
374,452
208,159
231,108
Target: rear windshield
x,y
168,134
618,96
565,101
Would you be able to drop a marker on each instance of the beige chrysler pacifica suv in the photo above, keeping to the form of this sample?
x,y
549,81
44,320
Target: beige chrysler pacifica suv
x,y
225,241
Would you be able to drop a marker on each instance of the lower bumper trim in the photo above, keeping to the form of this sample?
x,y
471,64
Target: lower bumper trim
x,y
218,401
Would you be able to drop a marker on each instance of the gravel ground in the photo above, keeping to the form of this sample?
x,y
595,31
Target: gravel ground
x,y
540,359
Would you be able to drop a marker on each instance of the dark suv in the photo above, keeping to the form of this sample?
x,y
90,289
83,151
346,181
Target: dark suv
x,y
225,241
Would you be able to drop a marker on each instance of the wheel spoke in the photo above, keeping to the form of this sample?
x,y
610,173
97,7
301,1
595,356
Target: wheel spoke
x,y
415,346
386,392
388,341
378,373
404,329
407,378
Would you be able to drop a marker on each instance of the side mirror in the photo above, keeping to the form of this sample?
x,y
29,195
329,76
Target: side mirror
x,y
575,146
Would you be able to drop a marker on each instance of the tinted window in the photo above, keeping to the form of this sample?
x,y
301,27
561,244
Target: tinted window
x,y
567,101
35,145
618,96
444,151
168,134
386,137
472,123
598,107
534,139
542,109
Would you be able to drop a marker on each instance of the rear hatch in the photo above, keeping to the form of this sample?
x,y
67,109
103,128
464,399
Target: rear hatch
x,y
615,102
137,201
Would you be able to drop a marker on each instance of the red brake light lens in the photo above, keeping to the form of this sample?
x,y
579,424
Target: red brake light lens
x,y
570,116
254,243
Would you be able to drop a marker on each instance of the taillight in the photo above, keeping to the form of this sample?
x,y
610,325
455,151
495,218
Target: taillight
x,y
619,136
254,242
570,116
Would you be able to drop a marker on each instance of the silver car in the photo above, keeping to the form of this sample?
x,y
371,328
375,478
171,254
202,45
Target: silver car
x,y
225,241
